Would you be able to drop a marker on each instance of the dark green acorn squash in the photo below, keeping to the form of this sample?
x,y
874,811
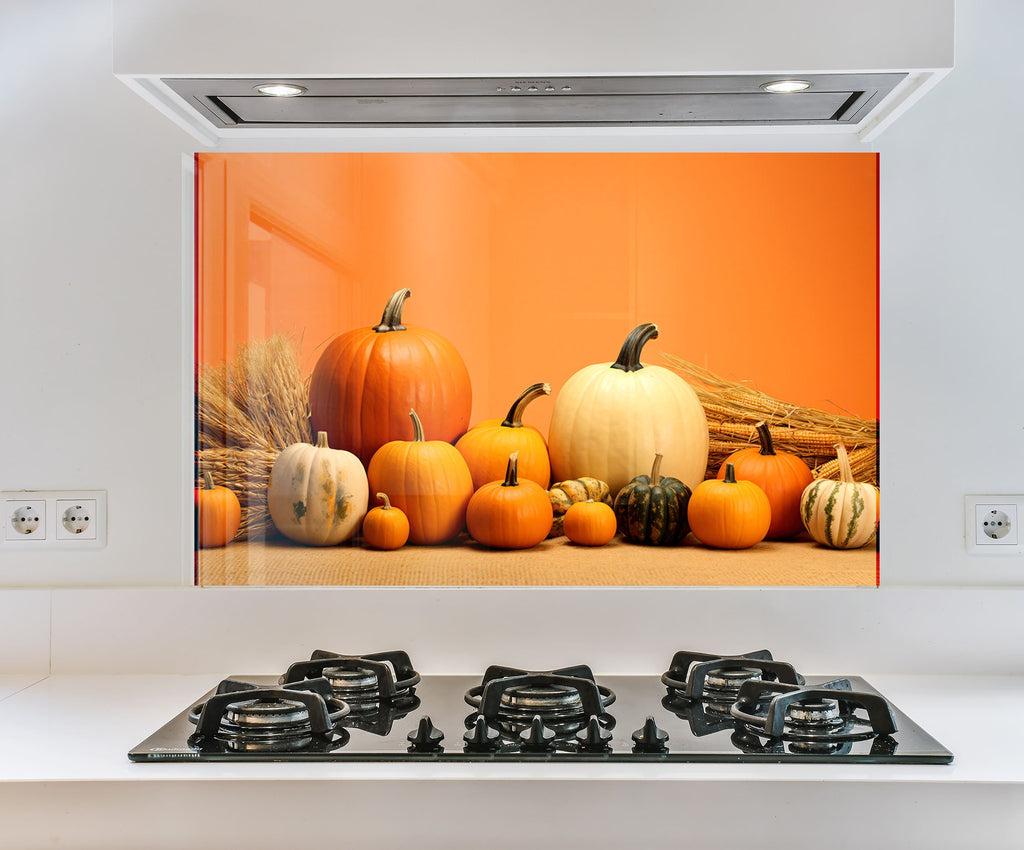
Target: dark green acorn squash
x,y
651,509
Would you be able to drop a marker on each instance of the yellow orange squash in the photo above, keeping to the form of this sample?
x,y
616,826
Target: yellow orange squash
x,y
487,445
427,480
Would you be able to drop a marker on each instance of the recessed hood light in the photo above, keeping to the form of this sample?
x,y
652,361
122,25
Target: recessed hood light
x,y
786,86
280,89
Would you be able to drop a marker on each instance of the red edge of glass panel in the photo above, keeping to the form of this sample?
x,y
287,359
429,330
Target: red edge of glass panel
x,y
195,345
878,343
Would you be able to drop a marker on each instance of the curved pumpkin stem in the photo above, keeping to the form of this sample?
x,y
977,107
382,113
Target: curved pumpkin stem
x,y
383,497
629,354
730,474
845,473
208,481
417,428
512,471
515,413
656,470
392,318
765,437
321,440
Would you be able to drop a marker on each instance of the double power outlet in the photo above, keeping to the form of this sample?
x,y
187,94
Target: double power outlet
x,y
991,525
54,519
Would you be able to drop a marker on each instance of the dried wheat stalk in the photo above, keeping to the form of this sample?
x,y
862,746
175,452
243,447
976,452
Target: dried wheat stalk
x,y
733,410
247,411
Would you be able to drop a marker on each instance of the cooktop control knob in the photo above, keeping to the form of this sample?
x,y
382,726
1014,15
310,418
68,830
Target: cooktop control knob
x,y
594,738
427,737
538,738
650,739
481,738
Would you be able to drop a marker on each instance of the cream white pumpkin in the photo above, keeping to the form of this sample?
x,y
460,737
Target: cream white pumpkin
x,y
317,495
840,514
610,419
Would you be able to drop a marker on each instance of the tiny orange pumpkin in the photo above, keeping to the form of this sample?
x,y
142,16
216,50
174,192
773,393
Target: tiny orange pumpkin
x,y
218,514
385,527
590,523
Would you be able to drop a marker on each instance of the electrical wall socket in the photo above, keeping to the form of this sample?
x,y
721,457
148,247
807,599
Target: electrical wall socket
x,y
992,525
53,519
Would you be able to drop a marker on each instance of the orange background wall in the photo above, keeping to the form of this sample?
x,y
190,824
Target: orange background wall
x,y
761,267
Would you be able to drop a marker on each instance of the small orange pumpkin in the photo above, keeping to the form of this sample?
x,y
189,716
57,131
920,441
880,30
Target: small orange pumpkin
x,y
487,445
783,477
590,523
218,514
427,480
510,514
385,527
729,514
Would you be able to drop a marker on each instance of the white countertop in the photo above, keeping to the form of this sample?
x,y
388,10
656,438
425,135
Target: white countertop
x,y
64,741
102,717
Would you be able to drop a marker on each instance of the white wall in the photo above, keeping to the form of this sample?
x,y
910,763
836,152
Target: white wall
x,y
92,324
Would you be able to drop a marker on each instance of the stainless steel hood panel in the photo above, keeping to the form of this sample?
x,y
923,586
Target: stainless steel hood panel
x,y
657,69
537,101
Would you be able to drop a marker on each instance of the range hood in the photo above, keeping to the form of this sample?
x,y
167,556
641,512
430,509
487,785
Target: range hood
x,y
402,66
670,101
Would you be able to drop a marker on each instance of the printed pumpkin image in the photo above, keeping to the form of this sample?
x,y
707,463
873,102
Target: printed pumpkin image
x,y
652,509
510,514
218,514
783,477
427,480
317,495
610,419
840,514
729,514
487,445
365,382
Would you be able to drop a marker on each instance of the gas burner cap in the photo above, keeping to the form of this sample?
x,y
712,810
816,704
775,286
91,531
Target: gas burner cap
x,y
351,680
813,715
551,700
266,714
729,679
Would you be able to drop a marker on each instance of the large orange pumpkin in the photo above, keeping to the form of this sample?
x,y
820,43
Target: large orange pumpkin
x,y
365,382
783,477
427,480
487,445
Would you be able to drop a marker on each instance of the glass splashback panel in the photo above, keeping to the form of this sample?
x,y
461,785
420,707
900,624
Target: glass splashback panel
x,y
758,270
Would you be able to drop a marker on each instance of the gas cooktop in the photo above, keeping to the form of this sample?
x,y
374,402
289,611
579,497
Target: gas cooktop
x,y
704,708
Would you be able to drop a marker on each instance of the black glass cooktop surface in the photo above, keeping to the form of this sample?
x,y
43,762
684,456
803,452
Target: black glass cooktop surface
x,y
620,718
